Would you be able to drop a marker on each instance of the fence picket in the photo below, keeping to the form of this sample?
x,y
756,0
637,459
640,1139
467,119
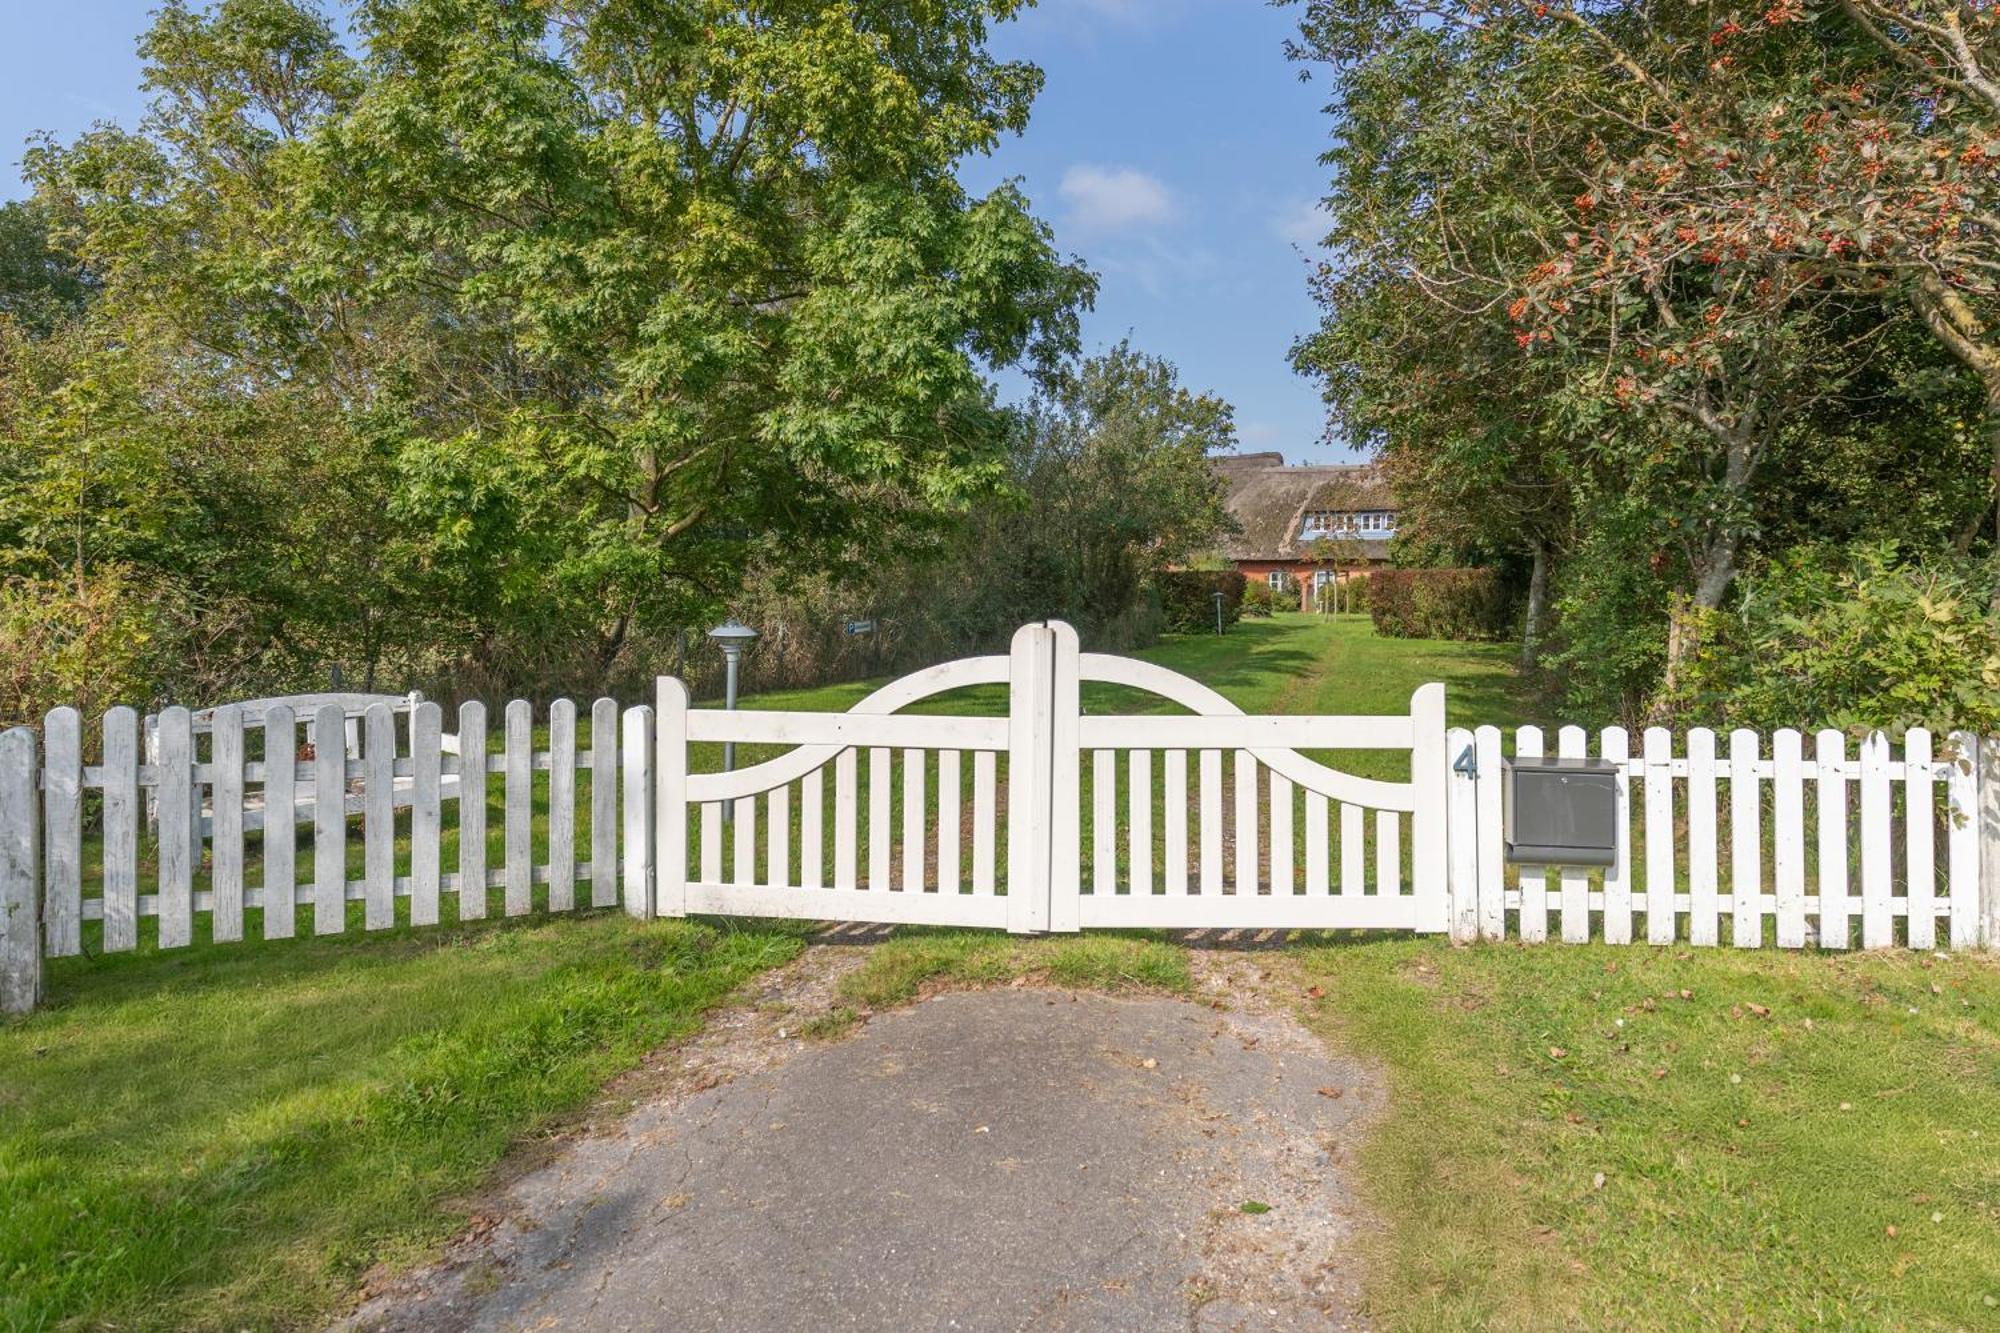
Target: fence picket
x,y
1962,838
1245,827
562,806
178,851
1103,823
604,769
1704,904
62,832
426,812
1616,746
778,836
743,852
1658,747
1877,925
1574,743
329,820
985,812
812,835
1211,821
1318,839
670,803
1139,779
711,842
1788,853
1746,843
281,828
846,804
1491,867
1388,853
636,834
1835,907
121,830
914,778
950,829
378,822
1919,809
881,834
1534,879
471,810
21,874
518,824
1174,812
1353,866
1281,834
1462,837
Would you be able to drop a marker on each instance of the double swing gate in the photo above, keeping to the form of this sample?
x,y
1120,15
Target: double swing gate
x,y
1050,818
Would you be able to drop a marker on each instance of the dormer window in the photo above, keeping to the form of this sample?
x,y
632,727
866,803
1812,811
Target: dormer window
x,y
1374,523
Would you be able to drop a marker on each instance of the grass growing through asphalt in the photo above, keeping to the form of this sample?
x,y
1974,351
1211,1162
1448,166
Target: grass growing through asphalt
x,y
229,1136
1784,1139
900,968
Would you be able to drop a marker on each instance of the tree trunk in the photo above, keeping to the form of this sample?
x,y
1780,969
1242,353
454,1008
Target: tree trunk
x,y
1538,607
1686,615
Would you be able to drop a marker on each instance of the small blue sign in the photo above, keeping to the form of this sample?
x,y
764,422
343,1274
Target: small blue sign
x,y
860,627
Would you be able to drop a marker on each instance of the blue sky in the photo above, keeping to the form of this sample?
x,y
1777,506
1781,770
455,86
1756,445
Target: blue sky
x,y
1173,148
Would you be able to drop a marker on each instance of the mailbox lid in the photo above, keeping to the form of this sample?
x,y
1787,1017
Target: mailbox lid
x,y
1562,811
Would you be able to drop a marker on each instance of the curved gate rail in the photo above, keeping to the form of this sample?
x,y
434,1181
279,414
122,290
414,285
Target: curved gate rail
x,y
979,820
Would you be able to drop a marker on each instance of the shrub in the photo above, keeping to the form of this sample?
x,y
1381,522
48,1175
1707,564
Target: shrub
x,y
1851,639
1438,603
1350,595
1187,598
1258,599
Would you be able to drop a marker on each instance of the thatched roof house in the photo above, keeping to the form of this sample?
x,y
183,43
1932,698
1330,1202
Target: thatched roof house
x,y
1284,514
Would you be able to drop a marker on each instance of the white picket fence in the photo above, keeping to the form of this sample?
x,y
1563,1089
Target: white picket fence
x,y
1199,818
1783,845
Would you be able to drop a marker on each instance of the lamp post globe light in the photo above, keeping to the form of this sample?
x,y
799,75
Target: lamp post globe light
x,y
732,636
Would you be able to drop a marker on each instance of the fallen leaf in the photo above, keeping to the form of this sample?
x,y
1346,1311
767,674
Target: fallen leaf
x,y
1253,1207
1315,992
1557,1052
1335,1093
1686,994
1891,1230
1149,1063
1659,1073
1597,1181
1761,1010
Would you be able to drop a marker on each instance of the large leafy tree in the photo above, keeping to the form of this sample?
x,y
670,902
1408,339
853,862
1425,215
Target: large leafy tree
x,y
592,297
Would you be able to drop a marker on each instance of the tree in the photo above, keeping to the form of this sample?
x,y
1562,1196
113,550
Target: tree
x,y
597,297
39,288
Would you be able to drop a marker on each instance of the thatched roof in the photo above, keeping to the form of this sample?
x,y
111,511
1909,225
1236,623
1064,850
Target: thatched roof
x,y
1269,502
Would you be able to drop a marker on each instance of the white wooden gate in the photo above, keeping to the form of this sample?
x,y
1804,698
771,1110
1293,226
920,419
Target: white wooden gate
x,y
982,820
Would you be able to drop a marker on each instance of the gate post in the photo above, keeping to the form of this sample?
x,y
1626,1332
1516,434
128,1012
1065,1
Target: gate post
x,y
670,797
1463,858
1032,690
1065,781
639,852
1430,772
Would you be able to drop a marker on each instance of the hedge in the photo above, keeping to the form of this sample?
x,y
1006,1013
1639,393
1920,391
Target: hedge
x,y
1438,603
1187,598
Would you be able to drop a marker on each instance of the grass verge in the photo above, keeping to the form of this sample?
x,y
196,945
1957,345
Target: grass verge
x,y
1611,1137
230,1136
903,966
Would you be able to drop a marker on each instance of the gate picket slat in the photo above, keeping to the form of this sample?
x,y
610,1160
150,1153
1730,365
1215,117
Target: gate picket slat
x,y
711,842
1491,866
562,806
1919,809
225,918
1245,827
914,778
1353,868
1281,834
846,806
1318,835
743,854
1574,743
812,844
281,830
176,828
426,812
604,768
1103,826
1140,818
62,832
1962,838
1534,916
1388,853
1616,745
951,827
520,799
985,783
1175,817
1658,747
1877,925
329,821
1746,842
778,836
1835,906
1788,827
472,810
1704,904
378,821
1211,821
880,832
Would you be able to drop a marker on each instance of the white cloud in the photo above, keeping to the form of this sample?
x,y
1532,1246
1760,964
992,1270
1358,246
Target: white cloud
x,y
1115,198
1304,224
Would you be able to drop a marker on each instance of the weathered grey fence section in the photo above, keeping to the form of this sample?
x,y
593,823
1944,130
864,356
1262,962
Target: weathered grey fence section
x,y
1790,839
390,765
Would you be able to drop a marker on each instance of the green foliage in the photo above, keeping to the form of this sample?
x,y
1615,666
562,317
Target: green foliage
x,y
39,287
1187,598
1258,599
1853,639
90,644
1464,604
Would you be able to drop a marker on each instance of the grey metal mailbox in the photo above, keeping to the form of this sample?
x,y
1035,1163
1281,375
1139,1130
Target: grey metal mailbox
x,y
1562,811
